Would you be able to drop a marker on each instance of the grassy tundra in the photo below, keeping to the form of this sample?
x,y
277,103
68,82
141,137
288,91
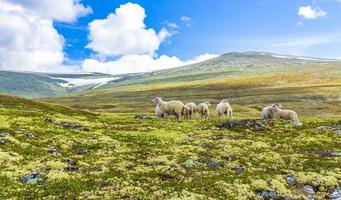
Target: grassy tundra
x,y
131,158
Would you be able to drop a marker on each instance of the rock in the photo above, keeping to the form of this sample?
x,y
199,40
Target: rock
x,y
30,135
82,151
227,158
266,194
33,178
53,151
144,117
149,128
246,123
239,169
214,164
71,169
291,180
310,192
70,125
5,134
329,153
70,161
324,128
335,194
48,120
190,163
4,141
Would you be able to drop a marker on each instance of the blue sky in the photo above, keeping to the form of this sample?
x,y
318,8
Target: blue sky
x,y
117,36
220,26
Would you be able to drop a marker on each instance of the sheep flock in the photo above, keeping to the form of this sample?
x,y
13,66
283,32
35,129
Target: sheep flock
x,y
165,109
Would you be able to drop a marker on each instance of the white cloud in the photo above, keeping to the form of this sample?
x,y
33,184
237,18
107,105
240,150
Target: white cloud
x,y
140,63
28,39
186,20
124,33
309,12
61,10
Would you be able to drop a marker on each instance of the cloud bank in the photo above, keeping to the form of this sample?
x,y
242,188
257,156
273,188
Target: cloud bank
x,y
124,36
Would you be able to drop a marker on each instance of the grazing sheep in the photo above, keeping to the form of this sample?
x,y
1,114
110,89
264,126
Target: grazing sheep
x,y
268,112
203,110
190,114
286,114
175,108
159,113
224,109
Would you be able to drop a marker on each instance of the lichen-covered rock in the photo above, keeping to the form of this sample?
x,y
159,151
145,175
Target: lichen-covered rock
x,y
5,134
214,164
239,169
291,180
190,163
335,194
53,151
30,135
70,125
246,123
267,194
83,151
33,178
144,117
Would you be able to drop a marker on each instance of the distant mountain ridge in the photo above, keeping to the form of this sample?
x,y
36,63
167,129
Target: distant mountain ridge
x,y
234,64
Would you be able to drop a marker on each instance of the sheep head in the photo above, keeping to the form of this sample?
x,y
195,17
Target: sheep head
x,y
157,100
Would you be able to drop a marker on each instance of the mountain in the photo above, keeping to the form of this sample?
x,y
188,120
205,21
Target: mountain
x,y
250,80
37,85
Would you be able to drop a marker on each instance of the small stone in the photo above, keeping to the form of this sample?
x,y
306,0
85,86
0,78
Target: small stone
x,y
329,153
266,194
310,192
291,180
70,125
30,135
4,141
190,163
33,178
335,194
82,151
70,161
71,169
53,151
239,169
214,164
5,134
144,117
48,120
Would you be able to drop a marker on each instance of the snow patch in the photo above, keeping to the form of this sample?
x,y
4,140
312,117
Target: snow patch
x,y
78,82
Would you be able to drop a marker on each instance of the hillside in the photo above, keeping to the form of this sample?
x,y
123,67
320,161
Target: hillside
x,y
310,85
36,85
49,151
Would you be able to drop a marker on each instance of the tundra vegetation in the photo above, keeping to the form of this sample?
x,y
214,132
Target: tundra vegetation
x,y
77,154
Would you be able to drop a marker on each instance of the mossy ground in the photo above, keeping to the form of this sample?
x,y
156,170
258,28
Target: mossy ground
x,y
153,159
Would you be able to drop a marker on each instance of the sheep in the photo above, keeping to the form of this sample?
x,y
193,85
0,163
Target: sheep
x,y
159,113
286,114
190,114
176,108
203,110
224,108
268,112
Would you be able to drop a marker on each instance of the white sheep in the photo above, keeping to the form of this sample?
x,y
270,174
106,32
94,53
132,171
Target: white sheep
x,y
159,112
190,114
175,108
203,110
286,114
224,109
268,112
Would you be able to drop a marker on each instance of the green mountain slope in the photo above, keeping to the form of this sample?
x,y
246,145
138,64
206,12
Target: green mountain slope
x,y
35,85
309,85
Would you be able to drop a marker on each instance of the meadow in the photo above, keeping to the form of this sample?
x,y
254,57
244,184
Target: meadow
x,y
78,154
